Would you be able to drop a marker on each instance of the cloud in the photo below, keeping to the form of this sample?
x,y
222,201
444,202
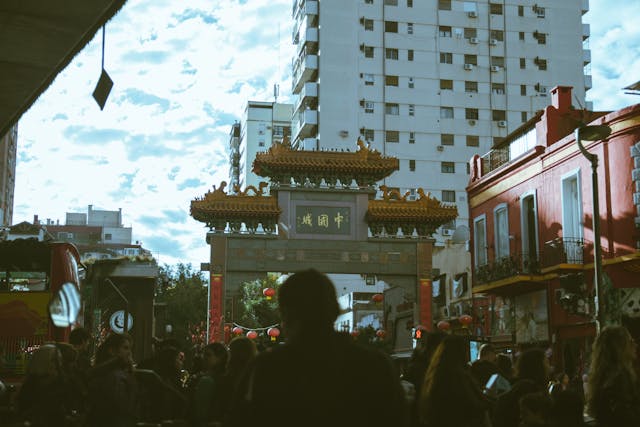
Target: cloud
x,y
138,97
90,135
191,183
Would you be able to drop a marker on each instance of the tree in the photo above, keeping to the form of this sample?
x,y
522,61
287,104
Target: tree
x,y
255,310
184,291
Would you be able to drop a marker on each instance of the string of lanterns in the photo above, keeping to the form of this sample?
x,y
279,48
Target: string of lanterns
x,y
465,320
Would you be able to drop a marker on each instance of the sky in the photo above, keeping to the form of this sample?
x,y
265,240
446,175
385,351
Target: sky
x,y
183,73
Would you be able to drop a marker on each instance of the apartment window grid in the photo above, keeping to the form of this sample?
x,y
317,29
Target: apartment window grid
x,y
391,2
391,80
412,137
409,28
409,3
471,113
412,110
447,167
471,86
448,196
368,1
368,25
410,55
446,112
369,79
392,109
495,9
390,26
497,35
471,59
470,33
540,37
541,63
446,58
523,90
444,31
497,88
473,141
412,165
521,35
497,61
368,134
498,115
520,10
523,63
391,53
446,84
392,136
446,139
539,11
369,107
444,4
368,51
523,116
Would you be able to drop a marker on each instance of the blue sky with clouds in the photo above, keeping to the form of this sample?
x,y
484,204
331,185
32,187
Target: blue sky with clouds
x,y
183,72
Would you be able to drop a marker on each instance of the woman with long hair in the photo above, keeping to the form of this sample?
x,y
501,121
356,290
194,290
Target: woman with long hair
x,y
613,395
449,396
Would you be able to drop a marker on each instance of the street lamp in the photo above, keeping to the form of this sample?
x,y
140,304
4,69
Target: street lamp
x,y
594,133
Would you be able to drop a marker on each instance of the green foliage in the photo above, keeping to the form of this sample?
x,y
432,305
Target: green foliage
x,y
255,310
184,290
368,338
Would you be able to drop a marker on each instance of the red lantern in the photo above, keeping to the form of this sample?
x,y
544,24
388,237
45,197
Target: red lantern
x,y
252,335
377,298
465,320
268,292
227,328
274,333
237,330
380,333
355,333
443,325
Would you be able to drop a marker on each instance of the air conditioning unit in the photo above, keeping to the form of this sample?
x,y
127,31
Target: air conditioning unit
x,y
440,148
472,122
447,232
472,14
344,133
473,40
502,123
468,66
493,42
495,68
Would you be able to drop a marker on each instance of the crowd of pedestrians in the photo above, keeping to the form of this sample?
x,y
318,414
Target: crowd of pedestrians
x,y
320,377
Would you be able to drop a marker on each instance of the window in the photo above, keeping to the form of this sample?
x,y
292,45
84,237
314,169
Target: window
x,y
368,134
446,139
392,136
497,88
412,137
495,9
410,83
369,79
446,58
523,90
261,143
473,141
368,24
448,196
523,116
107,236
446,112
471,59
444,4
368,1
412,110
520,10
409,28
523,63
497,61
539,11
470,86
409,3
392,109
391,53
541,63
391,2
498,115
410,55
281,131
469,6
448,167
470,33
541,37
444,31
521,35
391,80
572,227
501,221
368,107
390,27
368,52
446,84
480,241
412,165
262,128
497,35
471,113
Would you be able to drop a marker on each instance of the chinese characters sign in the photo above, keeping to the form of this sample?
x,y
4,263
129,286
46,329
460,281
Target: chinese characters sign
x,y
323,220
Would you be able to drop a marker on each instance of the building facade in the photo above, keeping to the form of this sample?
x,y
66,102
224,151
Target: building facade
x,y
533,239
263,123
8,149
431,82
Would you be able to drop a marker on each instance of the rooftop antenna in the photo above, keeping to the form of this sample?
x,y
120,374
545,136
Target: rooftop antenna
x,y
276,91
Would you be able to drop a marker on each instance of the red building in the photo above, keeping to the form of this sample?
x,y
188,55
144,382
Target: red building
x,y
532,234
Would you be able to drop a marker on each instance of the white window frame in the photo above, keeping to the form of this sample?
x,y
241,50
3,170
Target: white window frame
x,y
502,248
369,79
369,107
525,238
476,247
564,179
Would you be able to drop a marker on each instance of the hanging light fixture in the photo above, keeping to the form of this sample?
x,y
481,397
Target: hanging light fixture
x,y
103,88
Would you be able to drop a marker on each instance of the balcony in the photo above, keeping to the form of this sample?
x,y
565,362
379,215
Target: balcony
x,y
307,96
585,6
305,126
586,31
304,7
586,56
588,81
304,68
507,267
494,159
565,254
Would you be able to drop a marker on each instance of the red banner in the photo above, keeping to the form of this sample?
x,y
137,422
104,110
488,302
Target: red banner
x,y
215,308
425,294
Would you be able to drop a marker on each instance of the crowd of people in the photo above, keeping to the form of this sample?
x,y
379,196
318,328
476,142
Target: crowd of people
x,y
320,377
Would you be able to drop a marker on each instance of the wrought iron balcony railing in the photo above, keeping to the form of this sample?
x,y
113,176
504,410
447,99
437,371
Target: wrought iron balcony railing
x,y
565,250
506,267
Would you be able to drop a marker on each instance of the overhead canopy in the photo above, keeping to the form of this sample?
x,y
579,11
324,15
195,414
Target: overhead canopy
x,y
38,38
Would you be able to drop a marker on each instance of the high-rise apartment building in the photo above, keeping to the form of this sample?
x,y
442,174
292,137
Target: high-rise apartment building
x,y
431,82
262,124
8,149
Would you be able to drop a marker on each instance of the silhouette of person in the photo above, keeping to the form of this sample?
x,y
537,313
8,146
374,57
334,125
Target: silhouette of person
x,y
318,377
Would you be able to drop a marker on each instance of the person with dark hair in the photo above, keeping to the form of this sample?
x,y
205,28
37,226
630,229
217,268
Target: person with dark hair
x,y
534,410
532,373
206,396
318,377
505,367
567,407
613,394
113,399
482,369
80,339
448,387
242,352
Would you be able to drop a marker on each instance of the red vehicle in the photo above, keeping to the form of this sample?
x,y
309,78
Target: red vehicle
x,y
39,297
